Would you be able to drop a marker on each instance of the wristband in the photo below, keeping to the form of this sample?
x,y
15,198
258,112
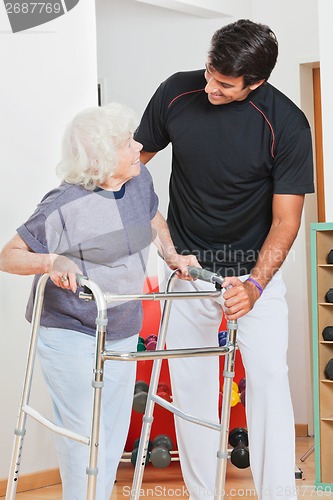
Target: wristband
x,y
256,284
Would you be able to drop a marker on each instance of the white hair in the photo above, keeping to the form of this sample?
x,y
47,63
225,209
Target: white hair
x,y
90,143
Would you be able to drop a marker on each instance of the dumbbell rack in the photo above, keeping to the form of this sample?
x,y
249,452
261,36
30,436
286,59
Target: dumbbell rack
x,y
321,236
93,292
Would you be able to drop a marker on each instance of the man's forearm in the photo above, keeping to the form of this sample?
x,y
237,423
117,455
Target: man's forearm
x,y
287,212
274,252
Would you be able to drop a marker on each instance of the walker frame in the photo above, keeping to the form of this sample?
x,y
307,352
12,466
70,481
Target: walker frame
x,y
93,292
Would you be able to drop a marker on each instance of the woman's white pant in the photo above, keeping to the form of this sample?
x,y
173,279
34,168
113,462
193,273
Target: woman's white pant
x,y
67,360
262,339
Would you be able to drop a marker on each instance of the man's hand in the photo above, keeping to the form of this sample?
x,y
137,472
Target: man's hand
x,y
239,298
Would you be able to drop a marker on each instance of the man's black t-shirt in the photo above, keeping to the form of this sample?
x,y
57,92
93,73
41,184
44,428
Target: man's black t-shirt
x,y
227,162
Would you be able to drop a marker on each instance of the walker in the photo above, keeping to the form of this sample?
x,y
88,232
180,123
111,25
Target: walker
x,y
93,292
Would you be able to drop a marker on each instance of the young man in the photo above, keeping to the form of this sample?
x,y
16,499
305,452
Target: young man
x,y
241,164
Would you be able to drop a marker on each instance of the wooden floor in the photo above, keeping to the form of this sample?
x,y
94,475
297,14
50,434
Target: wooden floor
x,y
168,483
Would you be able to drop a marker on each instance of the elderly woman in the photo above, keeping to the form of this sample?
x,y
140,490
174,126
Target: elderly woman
x,y
100,222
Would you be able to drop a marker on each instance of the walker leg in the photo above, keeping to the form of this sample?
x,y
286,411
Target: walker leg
x,y
16,458
148,416
97,383
21,422
228,374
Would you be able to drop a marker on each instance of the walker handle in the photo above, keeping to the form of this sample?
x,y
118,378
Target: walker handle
x,y
80,277
204,275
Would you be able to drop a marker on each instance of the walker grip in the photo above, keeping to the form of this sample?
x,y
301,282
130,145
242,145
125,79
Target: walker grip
x,y
80,277
204,275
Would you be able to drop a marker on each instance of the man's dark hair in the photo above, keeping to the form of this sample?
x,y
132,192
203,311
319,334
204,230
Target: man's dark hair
x,y
244,48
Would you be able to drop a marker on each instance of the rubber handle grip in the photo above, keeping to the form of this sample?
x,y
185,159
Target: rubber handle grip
x,y
202,274
79,277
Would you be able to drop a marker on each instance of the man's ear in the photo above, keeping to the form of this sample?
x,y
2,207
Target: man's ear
x,y
256,85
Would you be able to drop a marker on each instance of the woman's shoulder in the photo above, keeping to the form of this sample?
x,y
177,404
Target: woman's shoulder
x,y
143,182
61,195
144,176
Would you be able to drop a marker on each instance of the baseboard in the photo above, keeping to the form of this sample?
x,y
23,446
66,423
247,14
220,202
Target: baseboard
x,y
301,430
33,480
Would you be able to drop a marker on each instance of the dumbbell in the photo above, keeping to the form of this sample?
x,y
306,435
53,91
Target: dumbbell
x,y
134,453
141,344
151,342
140,396
329,296
239,456
160,455
148,344
242,389
235,398
222,336
330,257
328,333
242,384
164,391
329,370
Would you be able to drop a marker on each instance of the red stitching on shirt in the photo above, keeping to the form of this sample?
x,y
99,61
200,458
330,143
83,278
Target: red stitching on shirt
x,y
270,126
181,95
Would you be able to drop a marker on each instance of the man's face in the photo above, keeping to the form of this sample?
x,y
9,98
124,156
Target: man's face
x,y
223,89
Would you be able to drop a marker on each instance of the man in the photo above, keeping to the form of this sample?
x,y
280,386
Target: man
x,y
241,164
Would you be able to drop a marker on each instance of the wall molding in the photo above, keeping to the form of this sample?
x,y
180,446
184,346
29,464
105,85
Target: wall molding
x,y
33,481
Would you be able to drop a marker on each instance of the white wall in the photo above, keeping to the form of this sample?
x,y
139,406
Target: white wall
x,y
139,45
326,73
297,33
48,74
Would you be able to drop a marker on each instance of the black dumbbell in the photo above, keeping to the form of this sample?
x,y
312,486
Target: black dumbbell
x,y
328,333
329,370
140,396
329,295
160,455
330,257
136,448
239,456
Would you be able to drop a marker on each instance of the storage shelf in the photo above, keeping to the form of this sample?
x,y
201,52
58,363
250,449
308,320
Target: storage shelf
x,y
322,316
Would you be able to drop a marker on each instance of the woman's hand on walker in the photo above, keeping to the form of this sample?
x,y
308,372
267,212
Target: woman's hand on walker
x,y
63,272
182,262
